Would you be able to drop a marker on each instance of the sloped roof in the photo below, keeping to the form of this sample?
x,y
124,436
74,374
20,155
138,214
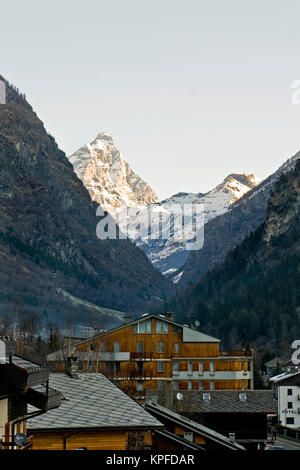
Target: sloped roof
x,y
194,336
226,401
275,361
284,376
161,411
25,364
189,334
92,401
220,401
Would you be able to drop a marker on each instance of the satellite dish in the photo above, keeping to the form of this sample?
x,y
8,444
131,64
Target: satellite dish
x,y
20,440
179,396
197,323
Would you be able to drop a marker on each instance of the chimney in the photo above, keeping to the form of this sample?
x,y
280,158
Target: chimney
x,y
169,315
72,367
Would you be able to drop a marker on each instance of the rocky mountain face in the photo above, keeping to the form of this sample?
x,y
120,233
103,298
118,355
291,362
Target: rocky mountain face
x,y
227,230
48,242
254,295
169,254
108,177
112,184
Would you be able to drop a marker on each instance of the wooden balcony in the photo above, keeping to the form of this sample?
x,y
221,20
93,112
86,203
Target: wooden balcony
x,y
131,375
146,356
137,375
237,353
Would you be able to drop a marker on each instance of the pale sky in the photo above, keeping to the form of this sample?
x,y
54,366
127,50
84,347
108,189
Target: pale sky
x,y
191,90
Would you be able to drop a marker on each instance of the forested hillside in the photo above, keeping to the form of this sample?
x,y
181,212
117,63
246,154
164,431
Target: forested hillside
x,y
254,295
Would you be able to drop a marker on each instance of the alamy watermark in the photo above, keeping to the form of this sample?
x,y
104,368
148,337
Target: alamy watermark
x,y
2,92
296,354
182,224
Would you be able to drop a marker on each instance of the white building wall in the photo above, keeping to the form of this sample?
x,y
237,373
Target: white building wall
x,y
286,412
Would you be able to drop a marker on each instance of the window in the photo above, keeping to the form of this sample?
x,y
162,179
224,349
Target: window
x,y
206,396
143,327
290,405
200,385
139,386
211,366
117,364
190,385
289,420
162,327
190,367
117,346
176,329
175,385
176,347
200,367
175,366
140,367
211,385
189,436
159,384
290,391
92,347
140,347
103,347
160,347
160,366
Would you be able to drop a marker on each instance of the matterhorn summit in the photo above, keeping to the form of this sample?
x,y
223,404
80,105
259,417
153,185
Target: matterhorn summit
x,y
108,177
115,187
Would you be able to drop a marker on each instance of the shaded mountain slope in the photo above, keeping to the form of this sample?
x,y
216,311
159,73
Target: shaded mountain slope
x,y
226,231
48,228
254,295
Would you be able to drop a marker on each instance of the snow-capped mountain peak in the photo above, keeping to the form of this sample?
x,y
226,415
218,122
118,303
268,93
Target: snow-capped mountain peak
x,y
108,177
114,185
169,254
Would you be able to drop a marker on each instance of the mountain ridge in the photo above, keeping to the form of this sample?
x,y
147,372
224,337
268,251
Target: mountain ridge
x,y
226,231
48,229
253,296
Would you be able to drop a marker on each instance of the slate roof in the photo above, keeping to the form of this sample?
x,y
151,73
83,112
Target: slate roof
x,y
284,375
193,426
275,361
27,365
221,401
92,401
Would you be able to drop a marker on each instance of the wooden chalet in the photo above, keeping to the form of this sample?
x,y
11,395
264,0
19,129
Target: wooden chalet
x,y
243,415
153,350
19,380
94,415
180,430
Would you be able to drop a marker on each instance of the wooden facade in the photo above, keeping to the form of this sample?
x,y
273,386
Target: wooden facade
x,y
92,439
154,349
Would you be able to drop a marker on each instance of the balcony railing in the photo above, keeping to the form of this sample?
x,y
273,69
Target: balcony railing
x,y
235,353
131,375
146,356
148,374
